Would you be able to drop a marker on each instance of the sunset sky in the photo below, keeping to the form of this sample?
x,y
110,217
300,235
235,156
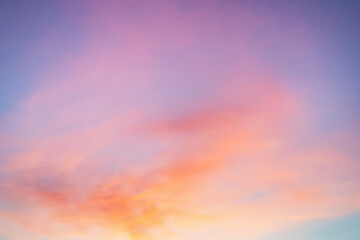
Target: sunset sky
x,y
179,120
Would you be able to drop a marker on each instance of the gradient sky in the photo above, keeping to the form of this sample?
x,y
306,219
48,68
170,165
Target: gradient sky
x,y
179,120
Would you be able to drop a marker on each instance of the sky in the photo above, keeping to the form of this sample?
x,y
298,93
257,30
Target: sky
x,y
179,120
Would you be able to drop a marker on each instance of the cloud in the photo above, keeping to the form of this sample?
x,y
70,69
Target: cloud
x,y
163,124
